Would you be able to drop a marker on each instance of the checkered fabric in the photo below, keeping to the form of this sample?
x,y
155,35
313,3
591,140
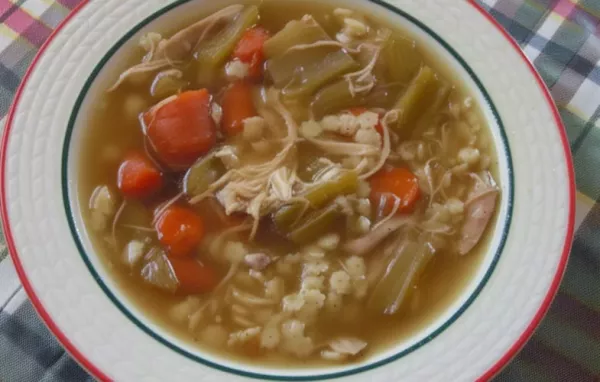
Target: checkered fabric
x,y
561,37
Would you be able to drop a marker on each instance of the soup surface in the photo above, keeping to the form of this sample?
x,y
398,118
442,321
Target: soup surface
x,y
303,185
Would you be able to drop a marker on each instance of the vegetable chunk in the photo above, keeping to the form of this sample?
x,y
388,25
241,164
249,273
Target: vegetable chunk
x,y
394,186
301,71
138,177
214,51
250,50
237,104
179,230
182,129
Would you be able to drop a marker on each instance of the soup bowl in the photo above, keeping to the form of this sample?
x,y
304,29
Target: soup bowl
x,y
72,290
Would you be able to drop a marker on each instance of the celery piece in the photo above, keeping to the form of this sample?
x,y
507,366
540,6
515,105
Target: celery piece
x,y
333,99
401,59
315,225
400,275
337,97
215,50
417,97
300,72
296,32
383,96
201,175
439,100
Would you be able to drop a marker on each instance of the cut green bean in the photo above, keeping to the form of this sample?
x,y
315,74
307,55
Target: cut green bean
x,y
296,32
333,99
416,99
214,51
201,175
303,72
317,197
337,97
395,285
300,72
401,59
315,225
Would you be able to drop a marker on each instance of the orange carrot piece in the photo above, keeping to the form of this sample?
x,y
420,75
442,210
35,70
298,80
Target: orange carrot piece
x,y
237,105
356,111
180,230
138,177
398,182
250,50
193,277
182,130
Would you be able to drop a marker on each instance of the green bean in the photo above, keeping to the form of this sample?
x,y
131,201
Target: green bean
x,y
345,184
416,99
395,285
333,98
213,52
317,197
301,72
440,99
315,225
201,175
402,59
337,97
296,32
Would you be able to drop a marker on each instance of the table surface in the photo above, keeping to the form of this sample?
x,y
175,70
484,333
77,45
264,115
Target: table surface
x,y
561,37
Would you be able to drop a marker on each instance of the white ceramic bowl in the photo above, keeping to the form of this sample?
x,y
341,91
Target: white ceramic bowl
x,y
78,300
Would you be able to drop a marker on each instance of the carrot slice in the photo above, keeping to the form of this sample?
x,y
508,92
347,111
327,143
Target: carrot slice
x,y
356,111
179,230
193,277
391,183
250,50
138,177
182,130
237,105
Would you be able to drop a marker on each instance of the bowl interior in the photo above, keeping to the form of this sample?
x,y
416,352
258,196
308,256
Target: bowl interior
x,y
186,11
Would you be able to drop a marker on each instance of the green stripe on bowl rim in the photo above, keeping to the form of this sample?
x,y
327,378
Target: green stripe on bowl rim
x,y
121,306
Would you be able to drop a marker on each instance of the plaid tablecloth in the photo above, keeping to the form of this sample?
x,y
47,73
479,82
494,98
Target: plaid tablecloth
x,y
561,37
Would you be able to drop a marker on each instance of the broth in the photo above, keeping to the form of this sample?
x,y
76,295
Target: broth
x,y
441,156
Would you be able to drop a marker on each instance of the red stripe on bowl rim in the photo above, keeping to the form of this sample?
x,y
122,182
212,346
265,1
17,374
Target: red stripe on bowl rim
x,y
98,374
526,335
37,304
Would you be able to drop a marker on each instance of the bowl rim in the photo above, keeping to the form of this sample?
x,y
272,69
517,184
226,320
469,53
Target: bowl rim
x,y
100,375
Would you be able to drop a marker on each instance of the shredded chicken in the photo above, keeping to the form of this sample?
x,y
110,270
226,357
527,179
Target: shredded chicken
x,y
257,261
347,345
479,209
362,245
144,67
363,81
258,189
177,49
